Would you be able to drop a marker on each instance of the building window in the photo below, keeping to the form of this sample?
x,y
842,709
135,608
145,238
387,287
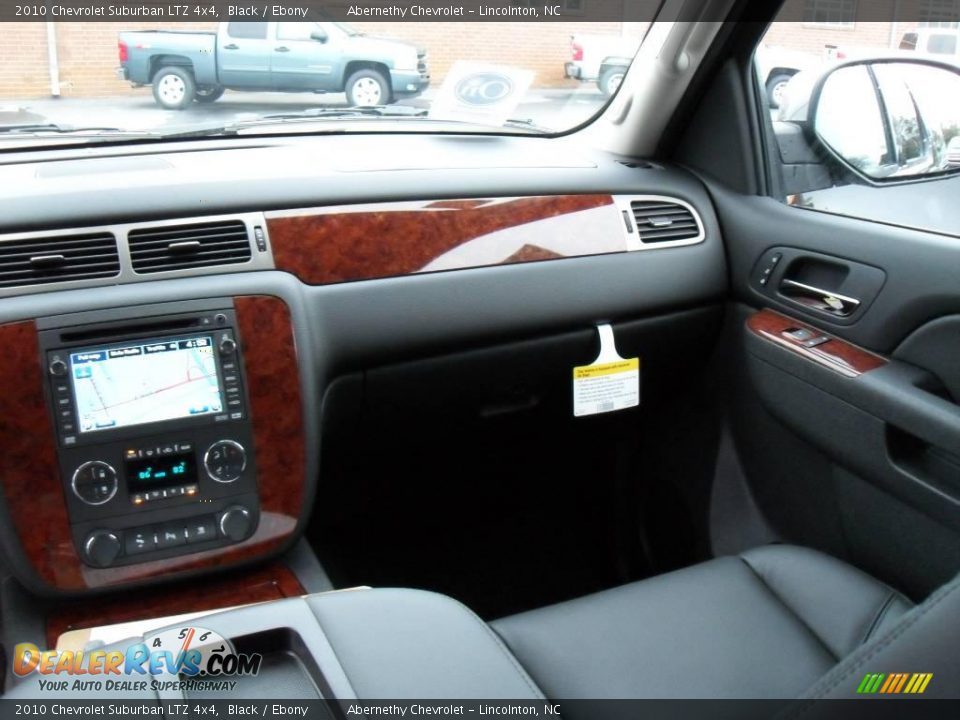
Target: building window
x,y
940,14
831,13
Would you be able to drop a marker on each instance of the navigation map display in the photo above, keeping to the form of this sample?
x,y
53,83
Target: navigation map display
x,y
146,382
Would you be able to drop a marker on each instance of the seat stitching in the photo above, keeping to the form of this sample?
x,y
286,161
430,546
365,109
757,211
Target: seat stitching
x,y
878,618
791,610
498,641
857,662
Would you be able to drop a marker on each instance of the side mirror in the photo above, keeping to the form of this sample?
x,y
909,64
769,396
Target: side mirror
x,y
889,119
319,35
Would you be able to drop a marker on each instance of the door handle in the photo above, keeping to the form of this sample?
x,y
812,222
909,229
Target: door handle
x,y
282,48
231,46
818,298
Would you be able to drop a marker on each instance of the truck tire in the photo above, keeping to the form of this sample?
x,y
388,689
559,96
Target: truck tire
x,y
367,87
209,94
609,81
775,85
174,88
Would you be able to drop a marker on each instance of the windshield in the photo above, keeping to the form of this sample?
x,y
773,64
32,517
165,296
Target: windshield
x,y
134,79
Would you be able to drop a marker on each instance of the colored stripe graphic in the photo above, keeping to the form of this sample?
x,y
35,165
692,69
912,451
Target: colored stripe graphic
x,y
894,683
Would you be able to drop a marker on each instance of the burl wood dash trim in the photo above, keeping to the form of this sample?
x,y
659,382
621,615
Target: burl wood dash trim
x,y
273,582
29,473
835,354
363,242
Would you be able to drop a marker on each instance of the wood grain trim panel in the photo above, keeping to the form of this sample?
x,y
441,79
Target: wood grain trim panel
x,y
835,354
362,242
273,582
30,478
29,472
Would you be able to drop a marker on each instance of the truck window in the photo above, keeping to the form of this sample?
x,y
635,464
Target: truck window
x,y
909,41
247,30
295,30
943,44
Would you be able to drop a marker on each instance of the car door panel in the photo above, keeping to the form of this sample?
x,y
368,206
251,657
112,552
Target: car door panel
x,y
875,403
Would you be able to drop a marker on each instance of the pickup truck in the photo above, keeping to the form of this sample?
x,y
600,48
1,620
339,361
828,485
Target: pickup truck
x,y
318,57
602,59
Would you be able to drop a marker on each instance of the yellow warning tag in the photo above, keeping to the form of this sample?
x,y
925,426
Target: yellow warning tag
x,y
610,383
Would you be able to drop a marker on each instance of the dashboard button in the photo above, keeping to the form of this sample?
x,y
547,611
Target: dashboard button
x,y
170,536
139,541
225,460
102,547
94,482
57,367
236,523
200,530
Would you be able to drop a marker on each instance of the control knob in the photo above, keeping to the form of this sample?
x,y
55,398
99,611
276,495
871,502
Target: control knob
x,y
227,345
225,460
94,482
236,523
102,547
57,367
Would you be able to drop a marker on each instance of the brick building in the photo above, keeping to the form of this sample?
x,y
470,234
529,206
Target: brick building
x,y
87,51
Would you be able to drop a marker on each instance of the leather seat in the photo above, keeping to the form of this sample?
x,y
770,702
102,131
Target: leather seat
x,y
766,624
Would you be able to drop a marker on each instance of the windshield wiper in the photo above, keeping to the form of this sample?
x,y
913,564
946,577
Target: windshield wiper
x,y
40,129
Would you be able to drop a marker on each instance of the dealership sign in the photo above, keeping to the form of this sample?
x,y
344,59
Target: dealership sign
x,y
481,93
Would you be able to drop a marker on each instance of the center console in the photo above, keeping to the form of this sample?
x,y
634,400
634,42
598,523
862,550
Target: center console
x,y
150,442
154,441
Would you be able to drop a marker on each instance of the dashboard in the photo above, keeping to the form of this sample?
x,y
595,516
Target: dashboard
x,y
173,327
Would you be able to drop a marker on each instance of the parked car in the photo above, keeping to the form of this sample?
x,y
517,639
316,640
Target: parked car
x,y
319,57
953,152
602,59
942,44
932,41
612,70
776,66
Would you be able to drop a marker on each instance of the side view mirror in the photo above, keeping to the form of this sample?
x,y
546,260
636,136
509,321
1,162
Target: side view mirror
x,y
889,119
319,35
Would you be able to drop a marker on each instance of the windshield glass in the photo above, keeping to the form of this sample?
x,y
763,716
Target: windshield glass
x,y
135,78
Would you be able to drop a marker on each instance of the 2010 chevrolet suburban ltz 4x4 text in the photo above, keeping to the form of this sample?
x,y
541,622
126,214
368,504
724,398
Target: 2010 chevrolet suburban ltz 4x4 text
x,y
510,398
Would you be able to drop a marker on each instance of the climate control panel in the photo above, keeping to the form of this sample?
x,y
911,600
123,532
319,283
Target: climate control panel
x,y
155,446
106,548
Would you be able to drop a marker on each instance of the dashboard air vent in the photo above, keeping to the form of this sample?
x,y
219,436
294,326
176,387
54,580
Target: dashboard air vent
x,y
44,260
180,247
660,221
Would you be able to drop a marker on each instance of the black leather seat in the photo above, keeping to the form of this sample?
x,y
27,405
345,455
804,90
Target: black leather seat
x,y
766,624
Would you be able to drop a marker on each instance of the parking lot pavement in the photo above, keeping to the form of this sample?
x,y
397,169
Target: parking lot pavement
x,y
549,108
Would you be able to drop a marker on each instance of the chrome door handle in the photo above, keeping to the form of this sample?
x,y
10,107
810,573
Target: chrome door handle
x,y
231,46
282,48
818,298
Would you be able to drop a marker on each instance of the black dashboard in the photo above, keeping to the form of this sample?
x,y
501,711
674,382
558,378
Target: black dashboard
x,y
128,517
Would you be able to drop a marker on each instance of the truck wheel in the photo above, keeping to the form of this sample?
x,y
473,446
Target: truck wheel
x,y
174,88
209,94
610,80
775,86
367,87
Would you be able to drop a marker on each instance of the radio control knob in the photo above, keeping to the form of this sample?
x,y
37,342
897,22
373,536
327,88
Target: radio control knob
x,y
228,345
236,523
102,547
57,367
94,482
225,460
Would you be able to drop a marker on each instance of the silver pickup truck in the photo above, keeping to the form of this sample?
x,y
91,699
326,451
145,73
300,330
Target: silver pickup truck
x,y
318,57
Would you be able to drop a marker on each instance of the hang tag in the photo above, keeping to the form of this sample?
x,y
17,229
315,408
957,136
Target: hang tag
x,y
610,383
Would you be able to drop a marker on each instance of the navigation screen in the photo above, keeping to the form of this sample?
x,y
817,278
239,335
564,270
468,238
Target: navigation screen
x,y
144,383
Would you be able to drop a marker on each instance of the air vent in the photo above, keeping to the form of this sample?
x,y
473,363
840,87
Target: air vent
x,y
45,260
181,247
659,221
